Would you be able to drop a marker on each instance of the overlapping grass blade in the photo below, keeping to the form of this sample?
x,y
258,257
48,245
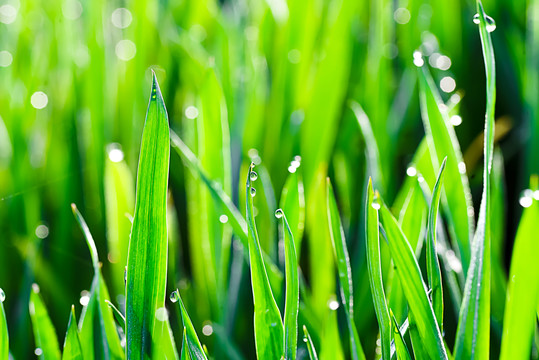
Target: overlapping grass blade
x,y
44,333
433,266
4,336
522,301
400,346
442,142
412,284
344,269
185,351
473,331
72,347
291,306
190,340
267,318
375,272
147,255
310,345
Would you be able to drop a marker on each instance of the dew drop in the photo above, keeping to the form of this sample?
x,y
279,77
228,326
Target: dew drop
x,y
253,192
174,296
526,198
455,120
476,19
253,176
125,276
333,305
491,24
375,205
2,295
462,167
305,339
411,171
84,298
279,213
38,352
223,219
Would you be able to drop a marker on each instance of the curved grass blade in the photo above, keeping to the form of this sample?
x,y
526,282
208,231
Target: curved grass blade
x,y
190,339
147,255
400,345
267,318
523,289
375,271
291,307
413,286
293,204
4,336
442,142
120,318
473,331
44,333
433,266
72,346
344,269
310,345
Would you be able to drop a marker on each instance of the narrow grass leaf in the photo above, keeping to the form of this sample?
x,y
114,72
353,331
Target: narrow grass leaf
x,y
147,255
292,202
267,318
473,331
72,346
185,351
523,289
190,340
4,336
413,286
120,318
310,345
291,306
44,333
344,269
400,346
433,266
375,271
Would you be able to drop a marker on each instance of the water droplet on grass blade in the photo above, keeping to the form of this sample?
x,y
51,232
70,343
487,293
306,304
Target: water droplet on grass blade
x,y
375,205
174,296
253,176
253,191
2,295
38,352
333,305
279,213
85,298
411,171
476,19
491,24
526,198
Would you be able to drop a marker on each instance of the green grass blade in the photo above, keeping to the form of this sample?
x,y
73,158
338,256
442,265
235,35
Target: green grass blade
x,y
344,269
72,346
310,345
412,285
4,336
375,272
473,331
120,318
400,346
147,255
185,351
267,318
44,333
190,339
292,202
433,266
523,289
291,306
442,142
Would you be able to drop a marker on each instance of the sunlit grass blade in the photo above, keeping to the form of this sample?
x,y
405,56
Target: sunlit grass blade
x,y
310,345
191,343
291,306
4,336
400,346
268,326
185,351
375,272
442,142
433,266
473,331
412,285
344,269
522,301
147,255
72,347
44,333
120,318
293,204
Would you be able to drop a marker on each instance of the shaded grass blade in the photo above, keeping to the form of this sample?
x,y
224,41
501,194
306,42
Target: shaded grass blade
x,y
4,336
433,266
292,202
190,339
473,331
291,307
412,285
344,269
400,346
523,290
44,333
72,346
147,255
310,345
375,272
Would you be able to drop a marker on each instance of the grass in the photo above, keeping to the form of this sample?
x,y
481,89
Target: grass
x,y
322,185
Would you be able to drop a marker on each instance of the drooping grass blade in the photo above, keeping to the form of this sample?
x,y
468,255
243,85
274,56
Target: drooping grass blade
x,y
473,331
72,347
147,255
291,306
310,345
375,272
522,301
412,284
191,341
4,336
44,333
267,318
433,266
344,269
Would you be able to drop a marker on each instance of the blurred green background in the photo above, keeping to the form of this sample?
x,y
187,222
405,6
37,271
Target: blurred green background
x,y
74,86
